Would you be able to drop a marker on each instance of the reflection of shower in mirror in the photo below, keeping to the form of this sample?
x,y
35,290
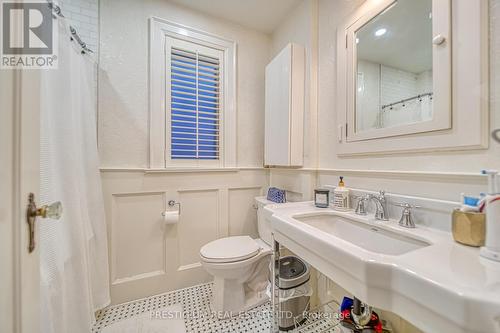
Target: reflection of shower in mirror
x,y
409,110
395,67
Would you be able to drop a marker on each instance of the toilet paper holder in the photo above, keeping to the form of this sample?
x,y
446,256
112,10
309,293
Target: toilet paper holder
x,y
172,203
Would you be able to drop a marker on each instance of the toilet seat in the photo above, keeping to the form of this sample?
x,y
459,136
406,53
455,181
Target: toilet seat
x,y
230,249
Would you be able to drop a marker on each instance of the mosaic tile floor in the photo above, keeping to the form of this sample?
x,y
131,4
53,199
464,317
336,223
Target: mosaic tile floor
x,y
198,318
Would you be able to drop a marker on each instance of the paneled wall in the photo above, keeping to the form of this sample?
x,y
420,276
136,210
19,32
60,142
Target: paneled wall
x,y
147,256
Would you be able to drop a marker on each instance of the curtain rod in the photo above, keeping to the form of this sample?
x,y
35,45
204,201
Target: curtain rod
x,y
407,100
74,34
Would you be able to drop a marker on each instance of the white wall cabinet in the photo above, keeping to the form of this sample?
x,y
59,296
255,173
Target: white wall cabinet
x,y
284,121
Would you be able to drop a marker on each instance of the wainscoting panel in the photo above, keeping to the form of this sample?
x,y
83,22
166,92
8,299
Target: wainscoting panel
x,y
137,245
198,224
148,257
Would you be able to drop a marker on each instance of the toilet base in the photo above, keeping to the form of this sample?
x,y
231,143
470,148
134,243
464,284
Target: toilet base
x,y
225,305
233,296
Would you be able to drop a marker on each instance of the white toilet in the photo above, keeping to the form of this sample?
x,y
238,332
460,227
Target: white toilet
x,y
240,266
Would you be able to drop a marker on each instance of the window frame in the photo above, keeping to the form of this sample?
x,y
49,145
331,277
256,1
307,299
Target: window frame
x,y
161,33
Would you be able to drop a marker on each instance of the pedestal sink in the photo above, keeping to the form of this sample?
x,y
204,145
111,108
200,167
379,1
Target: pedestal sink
x,y
420,274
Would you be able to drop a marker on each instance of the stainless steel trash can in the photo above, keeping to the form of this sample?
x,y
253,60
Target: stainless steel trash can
x,y
294,273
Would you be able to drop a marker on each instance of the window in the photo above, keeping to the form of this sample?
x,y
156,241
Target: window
x,y
195,105
192,91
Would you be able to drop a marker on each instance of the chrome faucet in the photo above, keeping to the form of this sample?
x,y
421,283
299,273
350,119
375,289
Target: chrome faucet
x,y
406,219
361,204
381,206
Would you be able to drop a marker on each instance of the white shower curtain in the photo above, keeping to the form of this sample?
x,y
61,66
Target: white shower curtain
x,y
73,250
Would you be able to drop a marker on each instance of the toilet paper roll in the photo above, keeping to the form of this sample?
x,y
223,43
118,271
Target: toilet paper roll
x,y
170,217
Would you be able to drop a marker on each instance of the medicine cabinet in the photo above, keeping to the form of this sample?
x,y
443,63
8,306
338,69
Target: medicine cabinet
x,y
411,77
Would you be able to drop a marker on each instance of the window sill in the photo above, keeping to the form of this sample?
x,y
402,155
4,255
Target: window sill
x,y
179,170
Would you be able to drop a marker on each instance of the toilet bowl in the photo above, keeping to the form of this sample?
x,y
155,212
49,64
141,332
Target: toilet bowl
x,y
240,267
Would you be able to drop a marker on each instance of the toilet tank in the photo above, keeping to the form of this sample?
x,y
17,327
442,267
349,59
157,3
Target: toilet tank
x,y
263,222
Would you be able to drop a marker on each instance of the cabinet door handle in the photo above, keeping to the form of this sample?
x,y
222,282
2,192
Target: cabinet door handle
x,y
438,40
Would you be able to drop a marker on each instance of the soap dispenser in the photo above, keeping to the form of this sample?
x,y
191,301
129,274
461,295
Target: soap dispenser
x,y
341,196
491,248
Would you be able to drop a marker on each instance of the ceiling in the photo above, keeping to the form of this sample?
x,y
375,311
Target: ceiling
x,y
407,44
260,15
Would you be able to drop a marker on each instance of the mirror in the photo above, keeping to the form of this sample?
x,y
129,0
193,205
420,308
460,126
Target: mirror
x,y
394,82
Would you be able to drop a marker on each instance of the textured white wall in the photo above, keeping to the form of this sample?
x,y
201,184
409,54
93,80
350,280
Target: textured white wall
x,y
84,16
301,27
123,80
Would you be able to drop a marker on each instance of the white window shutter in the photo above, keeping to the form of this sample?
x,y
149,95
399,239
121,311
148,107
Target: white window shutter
x,y
195,105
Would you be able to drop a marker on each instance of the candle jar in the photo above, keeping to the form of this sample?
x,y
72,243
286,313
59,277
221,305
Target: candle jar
x,y
321,198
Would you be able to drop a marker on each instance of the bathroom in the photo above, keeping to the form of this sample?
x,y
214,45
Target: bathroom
x,y
176,156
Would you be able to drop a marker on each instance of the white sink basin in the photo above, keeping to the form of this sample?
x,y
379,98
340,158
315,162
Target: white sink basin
x,y
363,235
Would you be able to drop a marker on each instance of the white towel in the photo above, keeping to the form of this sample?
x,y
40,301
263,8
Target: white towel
x,y
164,320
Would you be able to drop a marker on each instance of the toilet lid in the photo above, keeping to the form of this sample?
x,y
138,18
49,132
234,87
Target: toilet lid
x,y
230,249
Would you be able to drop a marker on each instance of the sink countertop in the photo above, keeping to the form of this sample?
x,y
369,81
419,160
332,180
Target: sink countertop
x,y
439,287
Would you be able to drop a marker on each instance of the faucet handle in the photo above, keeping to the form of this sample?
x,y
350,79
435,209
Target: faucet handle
x,y
406,205
406,219
361,204
380,195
